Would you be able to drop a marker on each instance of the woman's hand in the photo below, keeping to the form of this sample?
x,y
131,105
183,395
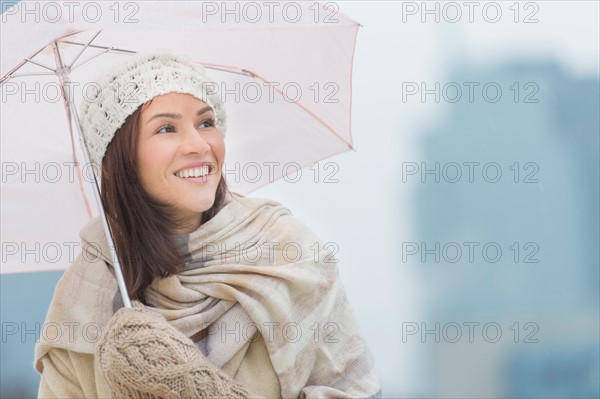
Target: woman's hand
x,y
142,356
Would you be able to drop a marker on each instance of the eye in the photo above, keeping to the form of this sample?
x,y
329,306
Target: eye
x,y
166,129
207,123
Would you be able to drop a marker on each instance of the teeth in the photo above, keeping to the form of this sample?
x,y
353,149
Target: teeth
x,y
194,172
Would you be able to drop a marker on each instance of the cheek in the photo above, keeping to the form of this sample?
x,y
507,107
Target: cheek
x,y
218,148
143,158
151,162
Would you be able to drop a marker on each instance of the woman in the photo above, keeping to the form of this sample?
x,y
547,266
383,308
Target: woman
x,y
240,278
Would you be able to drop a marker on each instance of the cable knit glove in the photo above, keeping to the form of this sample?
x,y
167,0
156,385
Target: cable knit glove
x,y
142,356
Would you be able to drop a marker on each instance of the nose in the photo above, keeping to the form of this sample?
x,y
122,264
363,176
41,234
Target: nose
x,y
193,142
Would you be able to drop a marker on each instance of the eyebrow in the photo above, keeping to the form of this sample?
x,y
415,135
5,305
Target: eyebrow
x,y
177,116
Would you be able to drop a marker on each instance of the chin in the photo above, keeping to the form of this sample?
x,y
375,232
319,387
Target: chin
x,y
203,204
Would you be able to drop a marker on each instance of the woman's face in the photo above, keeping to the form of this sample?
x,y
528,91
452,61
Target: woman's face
x,y
180,154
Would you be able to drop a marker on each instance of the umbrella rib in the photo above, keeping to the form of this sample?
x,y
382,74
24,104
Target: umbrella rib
x,y
310,113
104,49
20,75
239,72
9,74
89,59
84,48
12,74
40,64
118,50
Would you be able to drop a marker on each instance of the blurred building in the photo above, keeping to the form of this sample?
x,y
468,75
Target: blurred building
x,y
540,293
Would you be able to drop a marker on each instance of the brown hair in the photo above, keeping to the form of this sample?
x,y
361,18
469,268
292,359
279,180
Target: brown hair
x,y
141,226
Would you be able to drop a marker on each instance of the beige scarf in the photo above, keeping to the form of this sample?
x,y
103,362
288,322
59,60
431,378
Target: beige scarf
x,y
252,267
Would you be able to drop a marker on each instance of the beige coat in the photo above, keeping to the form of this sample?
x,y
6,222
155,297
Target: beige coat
x,y
228,289
69,374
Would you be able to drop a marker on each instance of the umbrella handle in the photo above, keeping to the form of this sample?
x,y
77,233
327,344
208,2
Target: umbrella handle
x,y
62,71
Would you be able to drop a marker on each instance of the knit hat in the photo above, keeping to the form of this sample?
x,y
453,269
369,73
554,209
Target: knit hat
x,y
121,91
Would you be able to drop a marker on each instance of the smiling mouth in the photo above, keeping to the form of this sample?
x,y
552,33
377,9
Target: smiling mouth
x,y
196,173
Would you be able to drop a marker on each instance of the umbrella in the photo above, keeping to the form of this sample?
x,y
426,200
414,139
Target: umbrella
x,y
283,70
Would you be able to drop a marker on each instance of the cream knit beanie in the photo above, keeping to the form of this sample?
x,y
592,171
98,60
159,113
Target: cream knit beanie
x,y
122,90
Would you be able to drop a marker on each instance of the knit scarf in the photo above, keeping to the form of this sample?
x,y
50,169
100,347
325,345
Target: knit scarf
x,y
253,267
